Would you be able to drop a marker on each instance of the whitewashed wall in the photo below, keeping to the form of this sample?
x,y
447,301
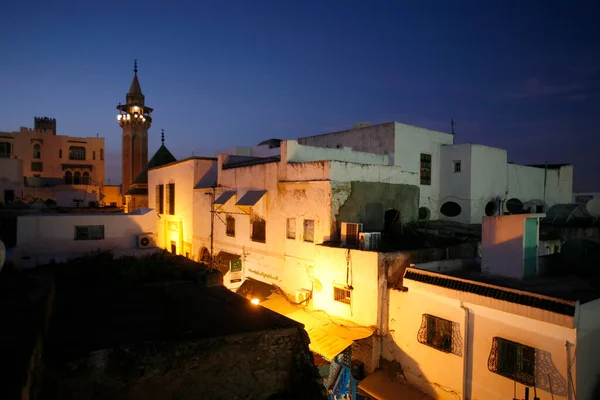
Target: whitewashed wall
x,y
52,236
442,374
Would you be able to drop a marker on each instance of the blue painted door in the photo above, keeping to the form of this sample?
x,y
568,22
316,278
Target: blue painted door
x,y
530,246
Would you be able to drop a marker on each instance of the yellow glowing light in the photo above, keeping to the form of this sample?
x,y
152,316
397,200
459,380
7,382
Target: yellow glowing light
x,y
128,116
119,117
135,115
136,108
254,301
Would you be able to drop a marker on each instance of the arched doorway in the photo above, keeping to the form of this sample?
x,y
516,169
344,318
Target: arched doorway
x,y
204,255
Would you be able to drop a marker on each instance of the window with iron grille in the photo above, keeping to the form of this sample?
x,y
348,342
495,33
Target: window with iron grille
x,y
160,199
436,332
230,223
343,295
425,169
76,153
352,234
309,230
171,198
291,228
259,233
37,151
5,149
37,166
513,360
457,165
89,232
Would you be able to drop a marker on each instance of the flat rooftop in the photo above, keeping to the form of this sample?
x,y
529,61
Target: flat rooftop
x,y
565,287
91,319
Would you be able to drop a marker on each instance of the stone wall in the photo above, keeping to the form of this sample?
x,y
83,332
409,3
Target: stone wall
x,y
274,364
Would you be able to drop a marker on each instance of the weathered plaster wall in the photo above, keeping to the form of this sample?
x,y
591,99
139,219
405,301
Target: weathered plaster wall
x,y
341,267
378,139
294,152
367,203
455,186
587,360
502,245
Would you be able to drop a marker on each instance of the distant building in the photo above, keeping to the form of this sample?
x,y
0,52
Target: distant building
x,y
51,160
584,197
11,179
461,182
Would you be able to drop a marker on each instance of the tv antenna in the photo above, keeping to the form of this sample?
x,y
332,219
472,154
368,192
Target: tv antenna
x,y
452,123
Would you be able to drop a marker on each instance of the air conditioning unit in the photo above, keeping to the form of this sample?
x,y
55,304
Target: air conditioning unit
x,y
350,231
369,240
302,295
145,241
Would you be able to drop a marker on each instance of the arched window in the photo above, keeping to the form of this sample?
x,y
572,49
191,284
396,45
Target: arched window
x,y
37,151
77,178
68,178
86,178
102,154
94,155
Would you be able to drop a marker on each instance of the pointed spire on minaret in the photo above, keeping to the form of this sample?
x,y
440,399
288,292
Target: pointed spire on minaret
x,y
162,136
135,84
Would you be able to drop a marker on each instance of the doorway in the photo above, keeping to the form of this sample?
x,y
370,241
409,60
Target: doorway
x,y
173,247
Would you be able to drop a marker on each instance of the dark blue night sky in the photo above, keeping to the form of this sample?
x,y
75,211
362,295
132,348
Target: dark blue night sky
x,y
522,75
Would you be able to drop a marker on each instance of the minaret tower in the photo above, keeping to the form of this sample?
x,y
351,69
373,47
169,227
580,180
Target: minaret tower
x,y
135,119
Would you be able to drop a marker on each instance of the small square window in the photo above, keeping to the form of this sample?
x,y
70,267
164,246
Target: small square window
x,y
343,295
309,230
457,165
291,228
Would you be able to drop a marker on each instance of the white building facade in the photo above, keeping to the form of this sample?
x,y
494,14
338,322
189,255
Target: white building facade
x,y
457,182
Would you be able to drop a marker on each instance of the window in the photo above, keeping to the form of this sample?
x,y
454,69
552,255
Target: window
x,y
85,179
170,199
76,153
230,222
160,197
309,230
5,149
512,360
291,228
68,178
37,151
37,166
259,230
425,169
113,203
343,295
59,153
456,164
89,232
436,332
93,155
77,178
102,154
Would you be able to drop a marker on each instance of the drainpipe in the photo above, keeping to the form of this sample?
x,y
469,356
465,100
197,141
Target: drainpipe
x,y
545,180
465,352
568,355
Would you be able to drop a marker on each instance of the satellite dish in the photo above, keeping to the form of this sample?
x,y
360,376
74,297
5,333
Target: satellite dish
x,y
145,242
2,254
514,206
593,207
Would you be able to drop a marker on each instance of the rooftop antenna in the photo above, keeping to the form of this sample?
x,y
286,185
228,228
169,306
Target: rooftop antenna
x,y
452,123
162,136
